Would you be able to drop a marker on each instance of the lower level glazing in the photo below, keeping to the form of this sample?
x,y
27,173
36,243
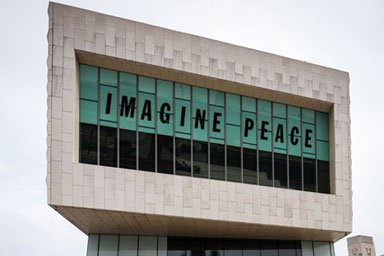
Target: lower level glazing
x,y
129,245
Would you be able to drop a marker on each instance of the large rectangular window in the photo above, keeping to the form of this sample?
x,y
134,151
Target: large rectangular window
x,y
138,122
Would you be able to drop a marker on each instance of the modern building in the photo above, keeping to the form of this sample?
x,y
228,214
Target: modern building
x,y
166,143
361,246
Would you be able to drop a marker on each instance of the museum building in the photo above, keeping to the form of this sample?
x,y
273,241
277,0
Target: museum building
x,y
162,143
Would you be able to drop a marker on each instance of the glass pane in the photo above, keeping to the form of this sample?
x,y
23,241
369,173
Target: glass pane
x,y
146,84
214,247
128,101
88,143
146,151
176,246
309,139
88,82
165,107
232,105
216,116
249,128
248,104
232,247
233,135
162,246
217,161
216,98
127,149
108,103
108,146
147,110
108,77
322,126
309,174
295,181
128,245
287,248
200,114
308,116
108,245
182,91
183,116
265,165
93,244
321,248
195,247
88,112
165,154
183,156
306,248
251,248
147,246
200,159
294,131
323,177
250,166
233,164
264,125
280,164
268,248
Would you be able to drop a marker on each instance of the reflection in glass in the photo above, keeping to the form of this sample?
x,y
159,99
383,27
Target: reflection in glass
x,y
250,166
232,247
323,176
217,162
108,146
251,248
195,247
233,164
295,181
146,151
268,248
165,154
287,248
183,156
127,149
88,143
280,166
200,159
214,247
176,246
309,174
265,165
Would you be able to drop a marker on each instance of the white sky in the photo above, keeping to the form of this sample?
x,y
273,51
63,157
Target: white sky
x,y
346,35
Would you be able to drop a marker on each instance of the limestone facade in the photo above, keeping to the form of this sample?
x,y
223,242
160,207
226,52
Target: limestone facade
x,y
113,200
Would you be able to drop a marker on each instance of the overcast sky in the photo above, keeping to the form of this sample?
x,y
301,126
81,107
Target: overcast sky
x,y
346,35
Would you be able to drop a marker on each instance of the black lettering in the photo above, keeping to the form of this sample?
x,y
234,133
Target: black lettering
x,y
264,130
216,121
164,117
182,120
108,107
127,108
294,140
308,138
200,118
280,133
146,111
248,126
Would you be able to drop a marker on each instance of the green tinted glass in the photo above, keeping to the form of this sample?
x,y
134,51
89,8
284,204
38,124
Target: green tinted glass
x,y
233,135
164,107
232,108
280,133
108,103
88,82
146,84
264,125
322,126
146,110
182,91
108,77
216,124
248,104
308,116
88,112
322,150
216,98
279,110
183,116
200,113
249,128
128,102
308,138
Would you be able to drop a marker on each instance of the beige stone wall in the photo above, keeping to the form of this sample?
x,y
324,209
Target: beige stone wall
x,y
75,33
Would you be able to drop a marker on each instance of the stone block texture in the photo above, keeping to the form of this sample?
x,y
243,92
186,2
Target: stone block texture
x,y
104,199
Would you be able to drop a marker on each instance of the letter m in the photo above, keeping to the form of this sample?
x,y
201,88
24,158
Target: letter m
x,y
128,108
